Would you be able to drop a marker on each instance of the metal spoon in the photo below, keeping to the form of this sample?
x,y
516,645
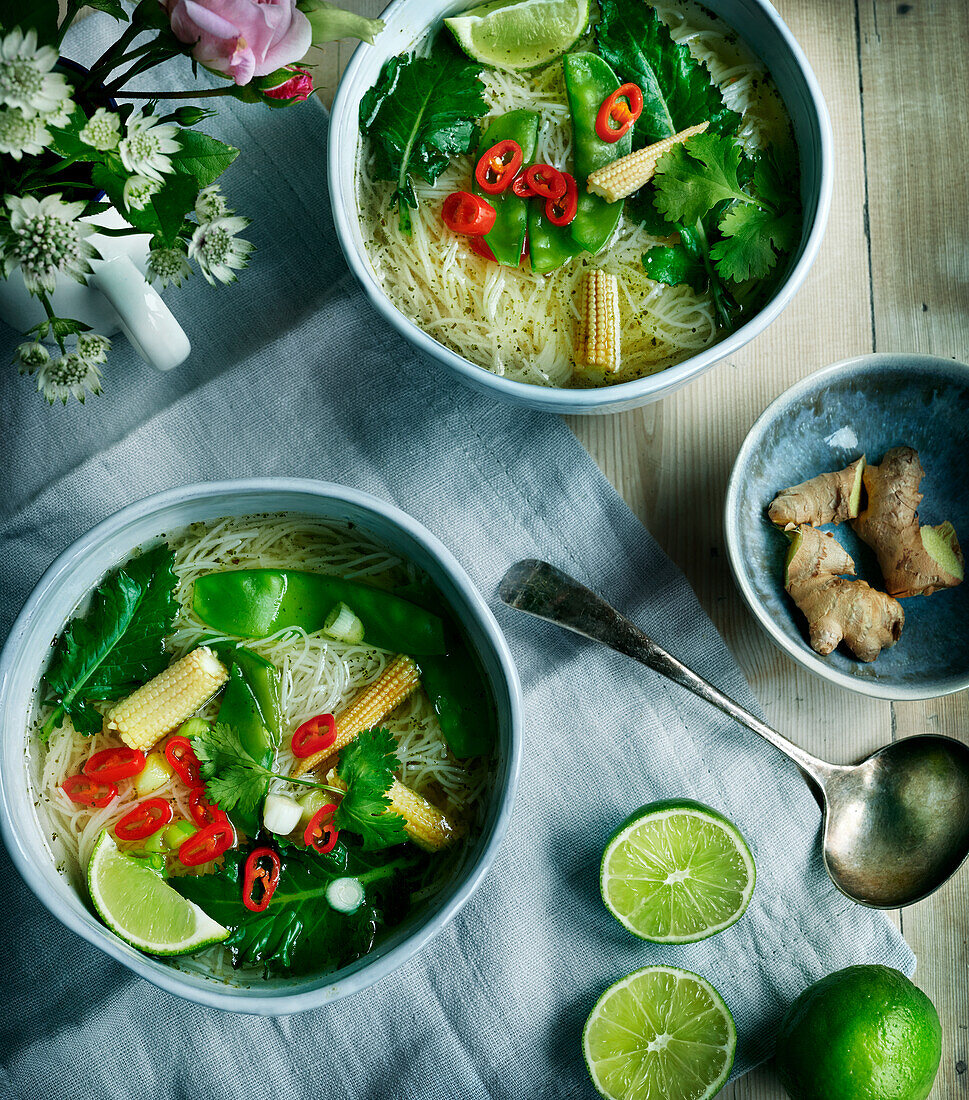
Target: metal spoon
x,y
895,826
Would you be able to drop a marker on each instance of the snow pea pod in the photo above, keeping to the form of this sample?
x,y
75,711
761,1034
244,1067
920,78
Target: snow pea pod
x,y
254,603
549,245
507,236
588,80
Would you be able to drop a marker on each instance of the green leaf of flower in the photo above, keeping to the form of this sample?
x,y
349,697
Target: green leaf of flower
x,y
202,157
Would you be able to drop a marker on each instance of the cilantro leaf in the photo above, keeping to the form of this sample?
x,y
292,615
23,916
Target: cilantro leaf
x,y
674,264
234,780
421,112
367,767
678,90
299,932
119,642
696,175
752,239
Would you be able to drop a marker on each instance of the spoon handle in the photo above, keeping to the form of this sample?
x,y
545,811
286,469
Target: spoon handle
x,y
542,590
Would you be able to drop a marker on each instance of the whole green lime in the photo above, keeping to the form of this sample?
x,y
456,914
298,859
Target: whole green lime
x,y
862,1033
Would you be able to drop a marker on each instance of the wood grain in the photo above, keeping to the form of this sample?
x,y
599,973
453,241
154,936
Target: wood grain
x,y
893,274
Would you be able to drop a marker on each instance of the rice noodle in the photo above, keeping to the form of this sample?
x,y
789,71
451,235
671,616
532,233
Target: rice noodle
x,y
520,324
318,675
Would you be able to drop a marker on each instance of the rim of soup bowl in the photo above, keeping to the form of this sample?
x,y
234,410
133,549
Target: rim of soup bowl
x,y
344,125
39,875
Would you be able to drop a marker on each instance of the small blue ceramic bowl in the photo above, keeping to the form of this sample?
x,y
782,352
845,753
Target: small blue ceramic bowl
x,y
80,568
865,406
757,22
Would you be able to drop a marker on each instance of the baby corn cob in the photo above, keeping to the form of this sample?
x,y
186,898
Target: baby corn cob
x,y
598,343
424,823
164,703
369,708
624,177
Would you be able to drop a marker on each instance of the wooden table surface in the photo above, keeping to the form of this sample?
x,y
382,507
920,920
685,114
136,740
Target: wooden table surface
x,y
893,275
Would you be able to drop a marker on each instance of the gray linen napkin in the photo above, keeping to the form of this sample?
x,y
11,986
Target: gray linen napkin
x,y
293,374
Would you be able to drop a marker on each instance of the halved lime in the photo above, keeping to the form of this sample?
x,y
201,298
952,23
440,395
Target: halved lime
x,y
520,34
660,1032
142,908
677,872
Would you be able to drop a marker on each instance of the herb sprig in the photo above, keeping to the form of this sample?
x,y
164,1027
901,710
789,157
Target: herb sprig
x,y
118,644
422,112
236,781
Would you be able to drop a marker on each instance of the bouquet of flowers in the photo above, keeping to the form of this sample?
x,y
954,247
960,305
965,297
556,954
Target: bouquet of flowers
x,y
69,153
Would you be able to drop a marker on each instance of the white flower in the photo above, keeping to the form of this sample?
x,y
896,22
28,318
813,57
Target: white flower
x,y
168,265
102,131
93,347
68,376
26,79
61,116
20,134
138,191
145,147
45,238
31,356
211,204
217,251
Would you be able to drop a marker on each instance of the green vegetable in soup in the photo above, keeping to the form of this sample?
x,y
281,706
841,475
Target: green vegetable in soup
x,y
367,767
118,644
421,112
588,81
299,932
507,236
549,245
254,603
677,89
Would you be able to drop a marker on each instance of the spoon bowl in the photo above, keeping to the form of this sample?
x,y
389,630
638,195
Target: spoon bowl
x,y
895,826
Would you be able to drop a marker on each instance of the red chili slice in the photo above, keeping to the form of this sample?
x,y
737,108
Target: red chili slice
x,y
89,792
482,248
145,819
260,881
207,844
204,812
614,110
322,837
180,754
562,211
545,180
314,735
497,167
521,187
114,764
467,213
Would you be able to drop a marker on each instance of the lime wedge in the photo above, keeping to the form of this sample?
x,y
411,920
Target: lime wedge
x,y
142,908
677,872
660,1032
520,34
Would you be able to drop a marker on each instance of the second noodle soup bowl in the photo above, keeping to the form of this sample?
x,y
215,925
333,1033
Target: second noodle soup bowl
x,y
759,25
79,570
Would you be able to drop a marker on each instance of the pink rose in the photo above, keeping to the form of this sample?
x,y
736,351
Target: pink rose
x,y
298,88
241,38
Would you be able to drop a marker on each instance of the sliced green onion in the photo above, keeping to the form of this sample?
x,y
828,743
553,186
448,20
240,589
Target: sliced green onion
x,y
280,814
343,625
193,727
176,835
310,804
345,894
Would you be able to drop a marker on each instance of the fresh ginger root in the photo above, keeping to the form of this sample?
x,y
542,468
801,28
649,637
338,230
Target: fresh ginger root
x,y
836,609
827,498
915,561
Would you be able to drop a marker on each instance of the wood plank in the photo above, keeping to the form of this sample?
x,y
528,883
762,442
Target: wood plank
x,y
917,153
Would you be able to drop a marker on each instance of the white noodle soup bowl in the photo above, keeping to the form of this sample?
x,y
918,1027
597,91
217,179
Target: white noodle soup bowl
x,y
81,567
759,25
